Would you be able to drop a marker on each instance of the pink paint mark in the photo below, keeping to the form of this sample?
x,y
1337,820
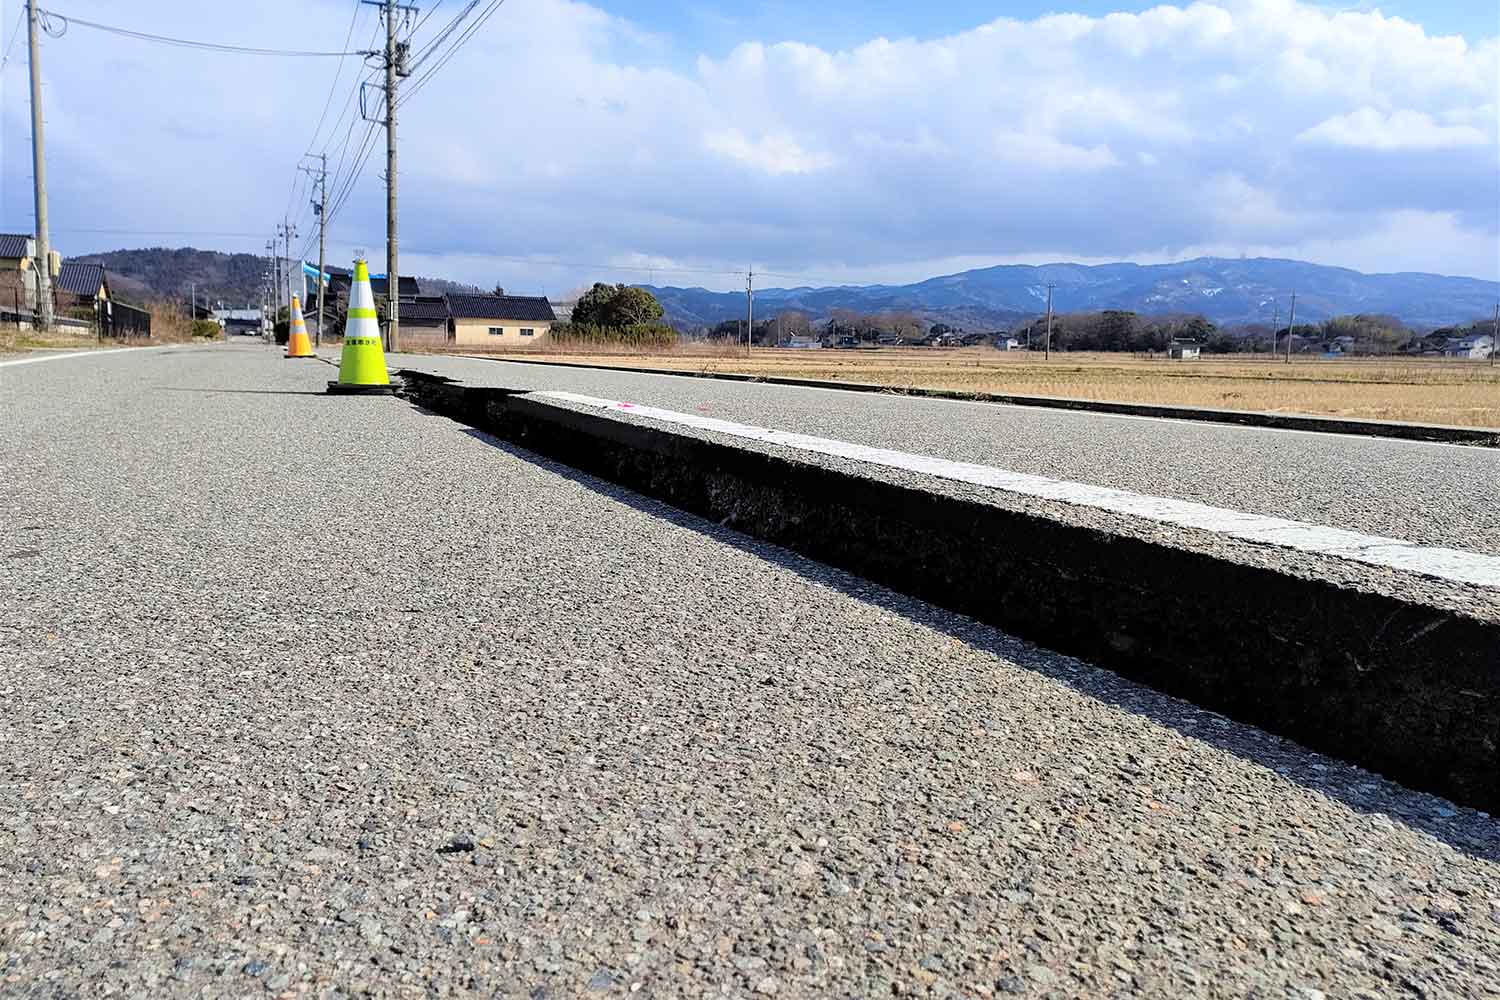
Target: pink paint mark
x,y
624,406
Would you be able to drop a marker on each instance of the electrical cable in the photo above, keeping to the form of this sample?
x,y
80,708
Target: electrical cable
x,y
448,54
57,25
338,73
15,33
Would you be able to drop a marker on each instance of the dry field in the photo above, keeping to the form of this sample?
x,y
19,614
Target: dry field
x,y
1417,389
14,340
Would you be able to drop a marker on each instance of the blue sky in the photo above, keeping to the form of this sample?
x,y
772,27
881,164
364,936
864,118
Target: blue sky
x,y
716,28
680,143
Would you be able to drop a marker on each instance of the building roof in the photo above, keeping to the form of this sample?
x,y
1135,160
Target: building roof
x,y
424,309
15,245
407,285
341,276
81,279
521,307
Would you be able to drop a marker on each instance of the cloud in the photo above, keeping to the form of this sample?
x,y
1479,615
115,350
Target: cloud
x,y
563,143
771,154
1368,128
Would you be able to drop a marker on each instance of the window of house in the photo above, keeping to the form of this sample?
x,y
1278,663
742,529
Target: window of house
x,y
497,331
527,331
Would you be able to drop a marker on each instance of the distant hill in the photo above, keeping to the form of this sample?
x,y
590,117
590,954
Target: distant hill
x,y
233,278
159,272
1224,290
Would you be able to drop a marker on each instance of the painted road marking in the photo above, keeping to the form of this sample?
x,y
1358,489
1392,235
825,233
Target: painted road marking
x,y
1181,420
1392,553
76,354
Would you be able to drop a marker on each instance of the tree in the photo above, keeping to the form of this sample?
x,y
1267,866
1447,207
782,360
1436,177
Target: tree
x,y
616,307
499,290
592,307
631,306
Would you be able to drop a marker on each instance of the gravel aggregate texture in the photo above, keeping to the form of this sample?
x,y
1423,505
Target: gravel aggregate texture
x,y
1434,494
304,695
1469,599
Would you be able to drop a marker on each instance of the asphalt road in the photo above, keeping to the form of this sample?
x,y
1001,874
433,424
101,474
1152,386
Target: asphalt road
x,y
1433,494
315,695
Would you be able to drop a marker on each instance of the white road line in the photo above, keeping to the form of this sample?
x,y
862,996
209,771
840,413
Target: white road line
x,y
1187,421
1392,553
76,354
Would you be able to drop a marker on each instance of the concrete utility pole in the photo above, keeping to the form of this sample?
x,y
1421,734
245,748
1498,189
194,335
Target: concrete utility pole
x,y
749,309
319,208
395,70
1047,344
43,314
1291,324
1275,322
273,280
288,233
1495,336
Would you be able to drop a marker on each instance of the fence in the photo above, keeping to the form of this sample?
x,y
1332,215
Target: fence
x,y
116,319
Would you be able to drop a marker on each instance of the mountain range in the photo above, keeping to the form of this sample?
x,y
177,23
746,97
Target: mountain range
x,y
1227,291
141,276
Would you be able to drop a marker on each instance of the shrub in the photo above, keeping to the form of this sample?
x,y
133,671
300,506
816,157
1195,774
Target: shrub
x,y
206,328
634,335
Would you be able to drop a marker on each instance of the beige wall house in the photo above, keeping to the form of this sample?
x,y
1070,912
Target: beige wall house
x,y
18,277
505,321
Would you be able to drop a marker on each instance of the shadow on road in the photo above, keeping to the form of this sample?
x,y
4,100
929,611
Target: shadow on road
x,y
246,392
1463,829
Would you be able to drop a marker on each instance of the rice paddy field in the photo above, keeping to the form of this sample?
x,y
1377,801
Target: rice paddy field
x,y
1421,390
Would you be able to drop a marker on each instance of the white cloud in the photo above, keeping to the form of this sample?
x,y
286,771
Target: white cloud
x,y
561,139
771,154
1044,152
1368,128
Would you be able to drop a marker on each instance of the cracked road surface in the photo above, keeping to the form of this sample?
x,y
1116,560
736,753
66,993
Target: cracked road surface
x,y
303,695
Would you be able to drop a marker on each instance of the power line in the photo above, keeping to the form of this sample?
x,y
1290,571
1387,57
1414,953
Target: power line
x,y
57,26
337,74
426,51
458,44
14,34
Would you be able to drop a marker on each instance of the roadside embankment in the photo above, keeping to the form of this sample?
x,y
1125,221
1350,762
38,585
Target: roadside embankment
x,y
1395,670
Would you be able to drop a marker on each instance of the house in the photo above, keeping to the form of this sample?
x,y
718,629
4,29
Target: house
x,y
803,342
246,321
425,312
340,278
18,271
498,320
81,287
1184,350
1480,345
1009,344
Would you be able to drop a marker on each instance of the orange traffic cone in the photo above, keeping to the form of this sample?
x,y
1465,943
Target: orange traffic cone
x,y
297,345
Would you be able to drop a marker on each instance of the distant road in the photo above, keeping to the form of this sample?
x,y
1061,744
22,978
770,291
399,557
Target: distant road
x,y
1432,494
306,693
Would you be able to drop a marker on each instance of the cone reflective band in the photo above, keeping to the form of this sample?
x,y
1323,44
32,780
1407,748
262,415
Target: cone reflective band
x,y
297,343
362,363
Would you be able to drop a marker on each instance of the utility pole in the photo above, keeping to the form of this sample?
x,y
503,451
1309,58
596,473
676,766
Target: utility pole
x,y
319,207
273,281
1047,344
1495,336
288,233
1275,322
395,70
749,309
43,314
1291,324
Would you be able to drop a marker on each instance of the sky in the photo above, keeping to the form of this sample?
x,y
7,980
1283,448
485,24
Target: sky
x,y
672,142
